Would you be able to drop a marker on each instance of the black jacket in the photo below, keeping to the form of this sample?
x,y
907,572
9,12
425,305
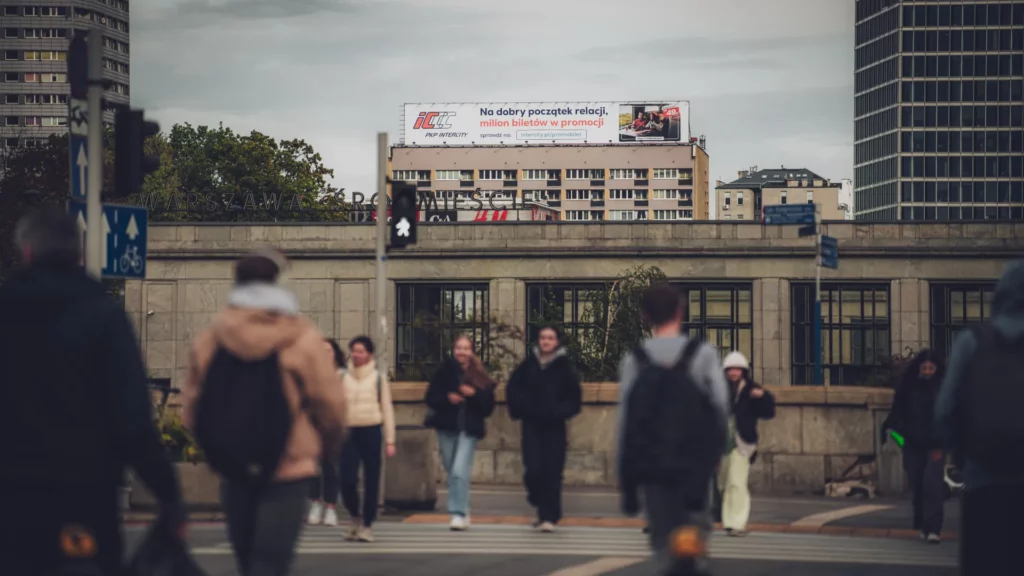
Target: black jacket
x,y
465,417
913,413
748,410
551,394
74,404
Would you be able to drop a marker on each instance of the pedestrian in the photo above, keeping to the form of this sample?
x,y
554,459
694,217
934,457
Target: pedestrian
x,y
913,417
460,397
544,392
674,407
371,421
324,488
750,403
978,415
75,409
265,402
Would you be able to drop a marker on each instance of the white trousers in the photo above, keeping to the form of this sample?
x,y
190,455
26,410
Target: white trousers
x,y
732,482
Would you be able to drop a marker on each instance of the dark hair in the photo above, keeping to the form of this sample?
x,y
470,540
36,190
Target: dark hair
x,y
559,335
51,235
339,355
256,269
661,304
913,369
364,340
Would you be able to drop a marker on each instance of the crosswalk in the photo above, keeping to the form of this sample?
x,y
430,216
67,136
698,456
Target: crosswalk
x,y
395,538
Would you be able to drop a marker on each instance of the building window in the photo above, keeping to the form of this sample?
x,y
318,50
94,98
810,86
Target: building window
x,y
783,199
410,175
497,174
429,317
665,195
584,215
10,99
739,198
584,194
618,215
584,174
450,175
10,76
955,307
10,32
11,55
10,10
720,314
541,174
810,196
55,121
670,215
33,121
854,332
666,173
627,194
51,78
11,121
540,195
629,173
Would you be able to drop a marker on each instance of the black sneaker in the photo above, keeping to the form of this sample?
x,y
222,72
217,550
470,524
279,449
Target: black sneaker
x,y
647,529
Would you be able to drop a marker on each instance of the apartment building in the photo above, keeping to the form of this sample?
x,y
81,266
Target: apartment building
x,y
34,38
745,197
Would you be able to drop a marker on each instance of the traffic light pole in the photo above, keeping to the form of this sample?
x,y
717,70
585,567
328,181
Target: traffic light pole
x,y
380,329
818,352
94,236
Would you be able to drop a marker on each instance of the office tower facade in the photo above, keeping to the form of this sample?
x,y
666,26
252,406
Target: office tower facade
x,y
938,130
34,37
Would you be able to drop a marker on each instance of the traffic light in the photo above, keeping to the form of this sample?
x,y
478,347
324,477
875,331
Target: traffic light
x,y
403,214
131,164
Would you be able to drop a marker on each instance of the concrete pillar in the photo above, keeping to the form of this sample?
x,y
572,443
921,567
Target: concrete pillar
x,y
909,315
771,331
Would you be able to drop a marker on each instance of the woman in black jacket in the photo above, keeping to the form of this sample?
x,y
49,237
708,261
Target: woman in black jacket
x,y
459,399
750,403
913,416
544,392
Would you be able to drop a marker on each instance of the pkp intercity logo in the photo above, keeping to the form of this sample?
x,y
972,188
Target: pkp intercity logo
x,y
433,121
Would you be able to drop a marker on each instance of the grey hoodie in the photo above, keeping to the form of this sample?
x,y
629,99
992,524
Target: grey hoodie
x,y
1007,318
706,370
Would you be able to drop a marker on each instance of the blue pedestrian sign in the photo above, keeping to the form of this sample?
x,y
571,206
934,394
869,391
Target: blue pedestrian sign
x,y
829,252
123,248
789,214
78,126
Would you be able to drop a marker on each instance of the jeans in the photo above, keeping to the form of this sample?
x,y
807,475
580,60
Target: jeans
x,y
989,530
263,527
668,509
927,480
363,446
457,451
732,481
544,448
324,488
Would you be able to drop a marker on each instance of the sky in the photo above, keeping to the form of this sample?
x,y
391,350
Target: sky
x,y
769,83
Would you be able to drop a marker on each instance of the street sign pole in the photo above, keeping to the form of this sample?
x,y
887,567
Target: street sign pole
x,y
818,375
94,237
380,330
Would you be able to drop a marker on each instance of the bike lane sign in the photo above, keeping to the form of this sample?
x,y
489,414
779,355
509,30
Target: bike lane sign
x,y
124,232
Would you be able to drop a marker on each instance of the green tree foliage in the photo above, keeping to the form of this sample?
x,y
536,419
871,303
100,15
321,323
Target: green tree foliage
x,y
609,324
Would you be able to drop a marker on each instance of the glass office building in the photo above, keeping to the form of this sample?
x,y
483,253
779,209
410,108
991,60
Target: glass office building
x,y
938,130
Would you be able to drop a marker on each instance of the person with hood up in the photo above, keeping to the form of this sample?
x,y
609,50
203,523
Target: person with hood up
x,y
750,403
978,417
913,417
544,392
262,318
460,398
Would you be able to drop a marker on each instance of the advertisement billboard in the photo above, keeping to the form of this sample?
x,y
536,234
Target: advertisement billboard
x,y
545,123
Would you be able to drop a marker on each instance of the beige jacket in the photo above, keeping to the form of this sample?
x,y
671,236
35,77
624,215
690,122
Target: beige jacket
x,y
364,407
265,319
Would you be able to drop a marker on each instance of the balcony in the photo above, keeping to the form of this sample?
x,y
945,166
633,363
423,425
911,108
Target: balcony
x,y
685,181
597,203
597,183
423,184
465,184
510,183
640,182
555,182
687,202
640,203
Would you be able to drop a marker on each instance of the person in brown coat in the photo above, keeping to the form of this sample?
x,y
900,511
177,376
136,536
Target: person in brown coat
x,y
262,318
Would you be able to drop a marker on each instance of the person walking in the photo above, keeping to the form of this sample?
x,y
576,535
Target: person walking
x,y
977,416
371,420
265,402
460,398
323,492
673,414
544,392
913,417
750,403
75,408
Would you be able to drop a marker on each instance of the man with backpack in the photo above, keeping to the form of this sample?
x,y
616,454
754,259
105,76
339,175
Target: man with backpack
x,y
978,415
674,410
265,402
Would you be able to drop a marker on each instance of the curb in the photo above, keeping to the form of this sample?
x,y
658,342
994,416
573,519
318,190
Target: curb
x,y
639,523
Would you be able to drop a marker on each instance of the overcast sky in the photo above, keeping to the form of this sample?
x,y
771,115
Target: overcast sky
x,y
770,82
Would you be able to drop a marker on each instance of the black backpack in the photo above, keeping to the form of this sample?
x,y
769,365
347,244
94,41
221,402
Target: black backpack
x,y
243,419
994,395
672,434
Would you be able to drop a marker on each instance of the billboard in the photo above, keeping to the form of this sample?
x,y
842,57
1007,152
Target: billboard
x,y
545,123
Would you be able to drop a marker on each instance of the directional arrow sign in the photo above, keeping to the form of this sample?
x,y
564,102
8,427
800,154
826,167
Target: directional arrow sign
x,y
829,252
123,248
132,231
78,153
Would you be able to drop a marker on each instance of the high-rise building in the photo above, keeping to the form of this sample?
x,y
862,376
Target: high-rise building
x,y
939,132
34,37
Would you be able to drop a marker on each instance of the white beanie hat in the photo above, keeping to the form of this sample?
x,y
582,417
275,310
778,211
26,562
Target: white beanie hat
x,y
735,359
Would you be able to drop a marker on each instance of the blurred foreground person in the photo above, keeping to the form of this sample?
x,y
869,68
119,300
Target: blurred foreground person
x,y
323,493
265,401
75,410
978,415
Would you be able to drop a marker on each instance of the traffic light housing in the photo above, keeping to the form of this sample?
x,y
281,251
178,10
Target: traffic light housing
x,y
131,164
403,214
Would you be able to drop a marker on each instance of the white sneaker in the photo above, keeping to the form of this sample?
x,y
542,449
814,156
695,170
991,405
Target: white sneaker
x,y
330,517
934,539
459,523
316,512
547,527
364,534
352,534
